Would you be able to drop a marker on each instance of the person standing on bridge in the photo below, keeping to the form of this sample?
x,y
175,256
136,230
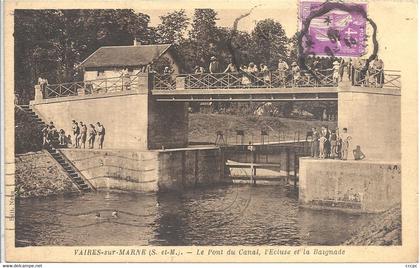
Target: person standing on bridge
x,y
378,69
282,68
198,70
100,130
315,143
231,68
214,67
296,73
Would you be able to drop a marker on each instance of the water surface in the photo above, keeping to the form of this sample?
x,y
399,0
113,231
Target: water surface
x,y
228,215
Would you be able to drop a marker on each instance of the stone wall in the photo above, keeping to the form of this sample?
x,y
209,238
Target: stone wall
x,y
363,186
373,119
180,169
123,116
132,119
148,171
117,170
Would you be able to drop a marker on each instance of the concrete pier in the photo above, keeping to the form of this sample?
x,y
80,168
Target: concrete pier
x,y
373,119
148,170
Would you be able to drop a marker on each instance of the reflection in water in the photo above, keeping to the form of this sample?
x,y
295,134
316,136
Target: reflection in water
x,y
229,215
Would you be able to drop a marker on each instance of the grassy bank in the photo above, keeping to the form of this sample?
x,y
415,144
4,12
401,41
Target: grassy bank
x,y
203,127
37,175
383,230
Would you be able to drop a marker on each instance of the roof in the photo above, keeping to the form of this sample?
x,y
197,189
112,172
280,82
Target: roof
x,y
125,55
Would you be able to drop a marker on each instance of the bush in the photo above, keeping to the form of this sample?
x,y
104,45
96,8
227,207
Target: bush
x,y
28,138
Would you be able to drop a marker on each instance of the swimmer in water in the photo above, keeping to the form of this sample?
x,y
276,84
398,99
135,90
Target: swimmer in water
x,y
115,214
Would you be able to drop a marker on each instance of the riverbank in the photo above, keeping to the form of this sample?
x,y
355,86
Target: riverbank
x,y
38,175
383,230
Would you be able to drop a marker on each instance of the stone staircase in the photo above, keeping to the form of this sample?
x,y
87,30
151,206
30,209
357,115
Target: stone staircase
x,y
78,179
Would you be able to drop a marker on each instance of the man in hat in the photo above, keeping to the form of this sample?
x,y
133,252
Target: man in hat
x,y
214,65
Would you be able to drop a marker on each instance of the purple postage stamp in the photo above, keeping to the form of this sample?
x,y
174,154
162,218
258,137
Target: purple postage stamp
x,y
335,33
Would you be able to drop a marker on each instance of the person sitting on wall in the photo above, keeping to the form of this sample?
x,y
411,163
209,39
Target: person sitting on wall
x,y
358,154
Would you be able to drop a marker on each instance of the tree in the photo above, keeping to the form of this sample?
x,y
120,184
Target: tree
x,y
172,28
51,43
270,42
204,36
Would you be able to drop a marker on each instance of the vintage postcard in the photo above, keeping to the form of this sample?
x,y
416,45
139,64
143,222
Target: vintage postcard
x,y
222,131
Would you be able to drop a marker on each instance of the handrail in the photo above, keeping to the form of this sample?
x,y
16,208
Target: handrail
x,y
94,86
241,79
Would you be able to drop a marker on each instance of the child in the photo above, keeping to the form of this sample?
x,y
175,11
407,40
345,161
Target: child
x,y
62,137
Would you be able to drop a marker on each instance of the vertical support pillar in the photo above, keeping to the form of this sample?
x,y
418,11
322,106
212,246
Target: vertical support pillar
x,y
253,169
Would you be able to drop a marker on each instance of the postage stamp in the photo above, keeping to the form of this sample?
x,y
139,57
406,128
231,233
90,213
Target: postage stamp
x,y
331,29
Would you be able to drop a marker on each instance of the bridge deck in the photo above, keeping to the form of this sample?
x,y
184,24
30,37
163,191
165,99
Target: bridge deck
x,y
248,94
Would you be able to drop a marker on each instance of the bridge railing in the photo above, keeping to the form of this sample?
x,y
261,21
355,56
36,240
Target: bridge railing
x,y
269,79
377,78
97,86
275,79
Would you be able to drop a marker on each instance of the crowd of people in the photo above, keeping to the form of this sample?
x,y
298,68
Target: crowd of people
x,y
326,143
358,71
81,133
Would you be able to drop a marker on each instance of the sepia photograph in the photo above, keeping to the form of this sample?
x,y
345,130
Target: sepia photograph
x,y
262,126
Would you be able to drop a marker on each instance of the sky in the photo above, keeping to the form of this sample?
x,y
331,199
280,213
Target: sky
x,y
396,21
287,16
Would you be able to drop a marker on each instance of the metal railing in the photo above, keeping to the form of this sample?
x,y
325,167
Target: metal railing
x,y
275,79
376,78
97,86
269,79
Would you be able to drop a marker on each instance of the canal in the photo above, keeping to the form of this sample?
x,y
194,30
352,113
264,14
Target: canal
x,y
224,215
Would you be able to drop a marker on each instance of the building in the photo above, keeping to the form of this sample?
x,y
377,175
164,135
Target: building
x,y
113,61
